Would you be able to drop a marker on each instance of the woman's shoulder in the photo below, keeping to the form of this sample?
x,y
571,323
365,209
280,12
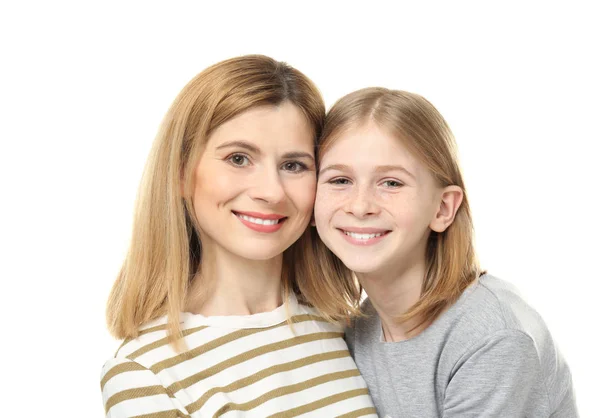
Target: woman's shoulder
x,y
303,313
148,334
130,382
153,343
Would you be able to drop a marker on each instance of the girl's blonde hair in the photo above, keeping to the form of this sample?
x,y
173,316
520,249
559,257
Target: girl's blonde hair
x,y
165,251
451,260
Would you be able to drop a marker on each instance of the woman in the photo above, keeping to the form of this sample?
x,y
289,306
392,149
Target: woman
x,y
212,299
438,337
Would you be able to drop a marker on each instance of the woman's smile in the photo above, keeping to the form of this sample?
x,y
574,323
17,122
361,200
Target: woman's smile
x,y
261,222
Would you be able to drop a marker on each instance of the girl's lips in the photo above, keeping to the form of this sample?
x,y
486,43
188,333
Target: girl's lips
x,y
360,230
363,236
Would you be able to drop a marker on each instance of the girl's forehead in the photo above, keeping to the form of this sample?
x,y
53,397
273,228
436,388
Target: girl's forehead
x,y
372,151
367,143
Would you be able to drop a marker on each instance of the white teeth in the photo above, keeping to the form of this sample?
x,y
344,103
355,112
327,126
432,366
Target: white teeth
x,y
258,221
362,236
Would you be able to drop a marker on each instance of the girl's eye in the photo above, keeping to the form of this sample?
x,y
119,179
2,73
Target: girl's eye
x,y
393,183
294,166
239,160
339,181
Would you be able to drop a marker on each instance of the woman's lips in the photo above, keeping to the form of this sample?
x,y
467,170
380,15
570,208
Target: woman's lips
x,y
261,222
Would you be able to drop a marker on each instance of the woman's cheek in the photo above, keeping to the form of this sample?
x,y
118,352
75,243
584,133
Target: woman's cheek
x,y
304,194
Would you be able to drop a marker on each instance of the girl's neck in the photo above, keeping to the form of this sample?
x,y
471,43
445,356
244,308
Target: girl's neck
x,y
392,294
230,285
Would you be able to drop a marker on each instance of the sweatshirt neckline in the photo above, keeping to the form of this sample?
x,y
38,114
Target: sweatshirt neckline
x,y
259,320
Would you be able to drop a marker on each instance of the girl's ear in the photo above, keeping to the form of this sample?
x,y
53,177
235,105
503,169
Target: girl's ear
x,y
450,200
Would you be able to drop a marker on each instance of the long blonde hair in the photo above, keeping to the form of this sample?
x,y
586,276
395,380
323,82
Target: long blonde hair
x,y
451,260
165,250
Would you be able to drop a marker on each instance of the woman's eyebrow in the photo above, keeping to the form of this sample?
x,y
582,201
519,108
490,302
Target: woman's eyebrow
x,y
298,154
255,150
240,144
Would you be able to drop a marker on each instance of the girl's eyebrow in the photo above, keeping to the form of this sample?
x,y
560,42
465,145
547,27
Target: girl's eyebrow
x,y
386,168
378,169
338,167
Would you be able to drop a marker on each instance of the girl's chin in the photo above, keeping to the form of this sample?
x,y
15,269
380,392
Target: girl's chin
x,y
364,271
363,268
371,265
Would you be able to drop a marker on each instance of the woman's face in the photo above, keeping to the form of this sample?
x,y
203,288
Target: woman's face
x,y
255,183
375,202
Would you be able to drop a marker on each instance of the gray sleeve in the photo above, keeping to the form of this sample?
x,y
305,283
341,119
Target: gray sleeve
x,y
500,377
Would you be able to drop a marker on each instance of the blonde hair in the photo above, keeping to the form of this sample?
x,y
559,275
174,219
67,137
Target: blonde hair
x,y
165,250
451,260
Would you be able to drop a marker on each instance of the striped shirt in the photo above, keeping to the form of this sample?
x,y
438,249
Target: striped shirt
x,y
251,366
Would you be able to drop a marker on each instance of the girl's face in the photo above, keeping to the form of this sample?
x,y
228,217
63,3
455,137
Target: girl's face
x,y
255,183
375,202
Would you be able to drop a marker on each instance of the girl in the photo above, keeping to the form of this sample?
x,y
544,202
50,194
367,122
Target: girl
x,y
438,337
221,264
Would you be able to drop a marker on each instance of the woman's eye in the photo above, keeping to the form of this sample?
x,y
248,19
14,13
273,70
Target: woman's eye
x,y
339,181
393,183
294,166
239,160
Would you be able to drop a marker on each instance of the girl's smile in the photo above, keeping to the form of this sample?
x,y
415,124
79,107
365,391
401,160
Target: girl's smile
x,y
375,201
363,236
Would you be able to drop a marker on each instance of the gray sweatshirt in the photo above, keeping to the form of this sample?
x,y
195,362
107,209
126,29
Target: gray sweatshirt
x,y
489,355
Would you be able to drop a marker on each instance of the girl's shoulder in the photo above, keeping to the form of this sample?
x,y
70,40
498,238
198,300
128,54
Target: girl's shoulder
x,y
488,307
499,305
491,310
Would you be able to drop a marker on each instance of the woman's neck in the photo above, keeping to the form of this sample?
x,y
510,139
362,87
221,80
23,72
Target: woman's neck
x,y
231,285
392,294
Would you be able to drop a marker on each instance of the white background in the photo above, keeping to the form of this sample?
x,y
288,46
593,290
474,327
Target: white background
x,y
84,85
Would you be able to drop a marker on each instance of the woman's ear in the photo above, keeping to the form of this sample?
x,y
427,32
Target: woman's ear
x,y
450,200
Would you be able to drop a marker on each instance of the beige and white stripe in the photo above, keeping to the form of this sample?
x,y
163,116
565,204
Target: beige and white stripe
x,y
237,366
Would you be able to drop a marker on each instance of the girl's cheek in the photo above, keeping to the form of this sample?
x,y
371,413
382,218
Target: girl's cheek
x,y
325,203
323,197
